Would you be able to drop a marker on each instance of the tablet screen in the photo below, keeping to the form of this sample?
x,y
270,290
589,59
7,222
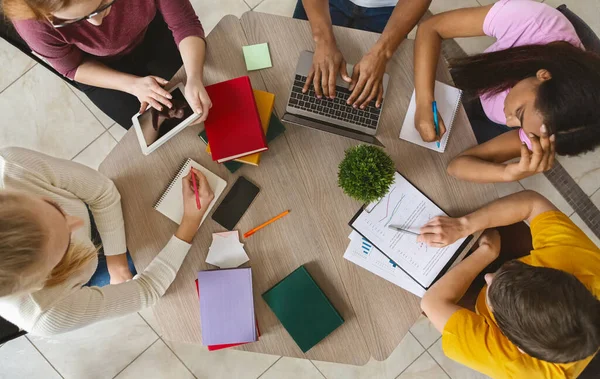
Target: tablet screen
x,y
155,124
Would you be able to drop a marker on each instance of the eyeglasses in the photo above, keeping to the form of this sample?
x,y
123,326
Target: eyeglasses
x,y
59,23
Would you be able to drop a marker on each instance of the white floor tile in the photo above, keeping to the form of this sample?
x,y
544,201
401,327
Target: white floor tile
x,y
439,6
40,112
279,7
425,332
97,351
475,45
19,359
424,367
253,3
157,362
292,368
95,153
222,364
488,2
508,188
542,185
579,222
101,116
454,369
407,351
14,63
584,169
210,12
588,10
117,131
148,315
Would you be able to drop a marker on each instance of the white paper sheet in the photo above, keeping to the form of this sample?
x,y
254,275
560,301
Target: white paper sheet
x,y
448,100
362,253
226,251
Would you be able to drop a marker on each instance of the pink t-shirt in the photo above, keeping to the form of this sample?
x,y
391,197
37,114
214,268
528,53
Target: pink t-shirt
x,y
121,31
518,23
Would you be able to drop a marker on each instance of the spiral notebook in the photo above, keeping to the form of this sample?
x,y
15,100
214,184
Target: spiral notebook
x,y
448,101
171,202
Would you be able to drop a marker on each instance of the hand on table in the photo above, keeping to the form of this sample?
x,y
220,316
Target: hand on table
x,y
118,268
149,91
327,63
425,124
367,80
196,95
441,231
532,162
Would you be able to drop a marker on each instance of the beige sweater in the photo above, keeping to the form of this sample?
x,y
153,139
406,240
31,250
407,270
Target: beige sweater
x,y
69,305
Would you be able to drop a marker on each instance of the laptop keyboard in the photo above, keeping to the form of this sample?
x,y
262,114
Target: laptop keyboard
x,y
334,108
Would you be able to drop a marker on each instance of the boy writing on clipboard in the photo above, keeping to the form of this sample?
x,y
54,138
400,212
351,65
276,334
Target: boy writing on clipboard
x,y
538,316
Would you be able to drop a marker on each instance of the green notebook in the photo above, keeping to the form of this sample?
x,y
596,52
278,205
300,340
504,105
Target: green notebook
x,y
303,309
276,128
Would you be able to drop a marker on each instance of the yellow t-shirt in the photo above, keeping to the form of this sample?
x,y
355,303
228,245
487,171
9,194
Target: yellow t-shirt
x,y
475,340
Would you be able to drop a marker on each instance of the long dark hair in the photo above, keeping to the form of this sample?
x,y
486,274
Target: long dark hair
x,y
569,102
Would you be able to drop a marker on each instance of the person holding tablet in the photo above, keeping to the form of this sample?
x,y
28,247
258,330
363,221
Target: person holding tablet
x,y
535,90
119,53
392,18
48,209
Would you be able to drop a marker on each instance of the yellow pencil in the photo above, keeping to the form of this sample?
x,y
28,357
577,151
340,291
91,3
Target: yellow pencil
x,y
252,231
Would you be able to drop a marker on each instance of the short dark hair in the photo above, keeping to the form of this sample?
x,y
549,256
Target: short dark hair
x,y
568,102
547,313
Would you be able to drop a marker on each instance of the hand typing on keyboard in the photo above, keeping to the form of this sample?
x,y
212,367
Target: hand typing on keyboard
x,y
366,83
367,79
328,61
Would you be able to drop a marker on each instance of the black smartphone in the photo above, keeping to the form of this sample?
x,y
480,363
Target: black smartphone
x,y
235,204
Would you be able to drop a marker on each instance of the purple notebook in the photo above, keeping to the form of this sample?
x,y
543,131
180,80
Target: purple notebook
x,y
226,306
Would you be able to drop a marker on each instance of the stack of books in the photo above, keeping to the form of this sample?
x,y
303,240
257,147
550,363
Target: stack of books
x,y
227,316
240,123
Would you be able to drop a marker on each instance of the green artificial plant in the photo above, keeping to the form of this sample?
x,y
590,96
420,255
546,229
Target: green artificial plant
x,y
366,173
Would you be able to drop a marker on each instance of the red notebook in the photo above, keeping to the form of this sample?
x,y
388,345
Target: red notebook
x,y
225,346
233,126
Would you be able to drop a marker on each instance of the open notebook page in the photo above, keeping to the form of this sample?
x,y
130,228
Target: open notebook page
x,y
448,100
171,202
405,206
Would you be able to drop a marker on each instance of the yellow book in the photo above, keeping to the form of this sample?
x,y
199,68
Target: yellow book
x,y
265,101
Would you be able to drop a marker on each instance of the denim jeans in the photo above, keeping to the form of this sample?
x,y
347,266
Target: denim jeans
x,y
346,13
101,276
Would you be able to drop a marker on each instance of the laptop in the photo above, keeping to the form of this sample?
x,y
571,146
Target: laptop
x,y
331,115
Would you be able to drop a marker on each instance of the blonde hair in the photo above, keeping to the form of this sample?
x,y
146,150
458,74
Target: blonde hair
x,y
31,9
22,244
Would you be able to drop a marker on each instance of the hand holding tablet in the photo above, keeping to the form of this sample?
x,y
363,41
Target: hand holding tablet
x,y
155,127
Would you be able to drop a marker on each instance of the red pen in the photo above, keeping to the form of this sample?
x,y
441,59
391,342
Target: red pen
x,y
198,205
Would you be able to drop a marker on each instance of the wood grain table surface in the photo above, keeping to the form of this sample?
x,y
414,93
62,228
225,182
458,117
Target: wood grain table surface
x,y
298,172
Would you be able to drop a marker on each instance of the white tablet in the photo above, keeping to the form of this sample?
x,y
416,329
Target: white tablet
x,y
154,128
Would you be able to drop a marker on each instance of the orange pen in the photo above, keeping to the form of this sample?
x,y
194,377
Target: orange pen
x,y
252,231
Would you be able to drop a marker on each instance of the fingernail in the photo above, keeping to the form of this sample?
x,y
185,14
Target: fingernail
x,y
543,128
354,106
170,97
199,111
303,91
531,135
552,138
318,96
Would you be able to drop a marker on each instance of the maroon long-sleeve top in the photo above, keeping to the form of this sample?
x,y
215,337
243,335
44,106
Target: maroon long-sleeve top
x,y
121,31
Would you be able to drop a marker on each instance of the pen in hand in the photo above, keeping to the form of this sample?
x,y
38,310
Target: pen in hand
x,y
198,205
436,121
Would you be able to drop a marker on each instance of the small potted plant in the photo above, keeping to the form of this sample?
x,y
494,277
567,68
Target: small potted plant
x,y
366,173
